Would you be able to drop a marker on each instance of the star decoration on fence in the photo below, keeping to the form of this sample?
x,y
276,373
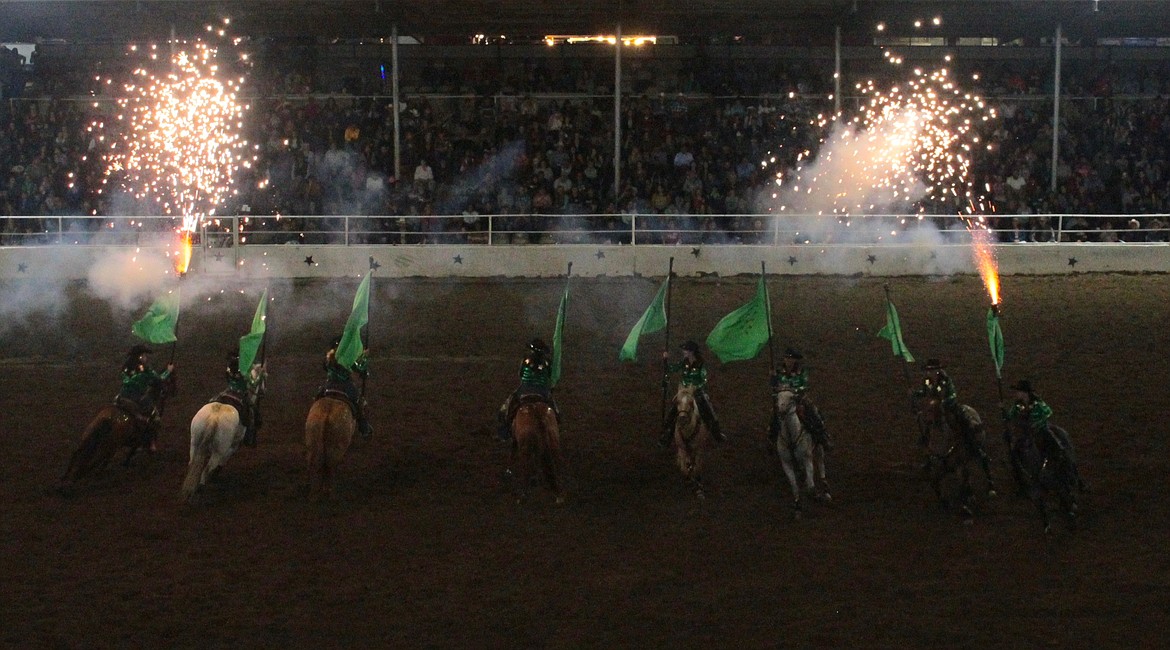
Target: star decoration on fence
x,y
22,268
791,260
309,261
374,265
934,255
695,252
600,255
870,258
458,259
1072,261
218,256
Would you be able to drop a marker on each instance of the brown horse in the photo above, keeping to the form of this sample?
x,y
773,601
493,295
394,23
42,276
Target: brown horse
x,y
114,427
536,443
691,438
954,442
329,431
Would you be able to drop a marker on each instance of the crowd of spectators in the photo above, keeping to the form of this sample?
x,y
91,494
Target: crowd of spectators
x,y
535,143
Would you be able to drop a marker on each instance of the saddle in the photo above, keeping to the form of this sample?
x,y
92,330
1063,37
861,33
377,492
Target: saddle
x,y
236,401
340,395
133,409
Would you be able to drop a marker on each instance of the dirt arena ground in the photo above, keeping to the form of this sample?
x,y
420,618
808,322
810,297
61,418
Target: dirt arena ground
x,y
425,547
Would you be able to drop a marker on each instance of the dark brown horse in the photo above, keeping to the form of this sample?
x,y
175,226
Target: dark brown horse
x,y
955,442
536,445
1045,466
116,426
329,431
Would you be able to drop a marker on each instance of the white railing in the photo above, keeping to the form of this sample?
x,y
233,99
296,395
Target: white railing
x,y
589,229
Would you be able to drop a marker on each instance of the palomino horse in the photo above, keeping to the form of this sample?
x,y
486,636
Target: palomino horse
x,y
536,444
113,428
954,442
329,431
216,433
1046,466
796,446
691,438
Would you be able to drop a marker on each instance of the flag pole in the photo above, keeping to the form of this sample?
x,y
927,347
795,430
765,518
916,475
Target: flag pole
x,y
906,376
666,355
178,317
366,344
264,336
768,302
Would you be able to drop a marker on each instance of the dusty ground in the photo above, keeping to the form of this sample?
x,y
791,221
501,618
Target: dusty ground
x,y
424,547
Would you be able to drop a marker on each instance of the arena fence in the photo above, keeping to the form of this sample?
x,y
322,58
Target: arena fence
x,y
589,230
66,248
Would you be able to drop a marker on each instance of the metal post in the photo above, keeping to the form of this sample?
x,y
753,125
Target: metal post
x,y
617,116
394,101
236,239
837,71
1056,111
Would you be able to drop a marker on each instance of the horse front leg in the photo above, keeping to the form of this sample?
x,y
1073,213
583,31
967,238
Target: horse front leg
x,y
787,462
819,465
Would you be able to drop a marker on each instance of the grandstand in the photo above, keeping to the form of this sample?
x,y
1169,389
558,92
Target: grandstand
x,y
506,134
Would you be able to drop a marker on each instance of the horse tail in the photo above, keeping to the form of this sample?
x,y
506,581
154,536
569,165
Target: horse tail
x,y
315,445
203,433
551,450
95,433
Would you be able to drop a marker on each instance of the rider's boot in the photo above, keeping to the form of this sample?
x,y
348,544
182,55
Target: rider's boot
x,y
250,436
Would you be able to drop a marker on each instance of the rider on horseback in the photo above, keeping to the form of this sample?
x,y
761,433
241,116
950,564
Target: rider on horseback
x,y
535,379
793,376
239,387
339,380
136,396
937,383
1034,411
694,375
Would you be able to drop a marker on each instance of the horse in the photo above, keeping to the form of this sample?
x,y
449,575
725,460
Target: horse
x,y
691,438
115,426
1046,466
795,446
953,442
329,431
536,445
216,433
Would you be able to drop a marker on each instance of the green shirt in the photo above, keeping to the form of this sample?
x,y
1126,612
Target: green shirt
x,y
136,384
536,371
1037,413
795,380
694,373
940,385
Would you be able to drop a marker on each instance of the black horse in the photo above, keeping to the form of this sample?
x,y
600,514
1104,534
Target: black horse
x,y
1045,466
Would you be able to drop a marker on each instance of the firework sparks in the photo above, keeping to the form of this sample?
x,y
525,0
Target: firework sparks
x,y
908,146
177,137
985,260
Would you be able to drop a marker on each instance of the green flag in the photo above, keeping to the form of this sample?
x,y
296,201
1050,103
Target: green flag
x,y
350,347
741,334
160,321
653,320
995,338
250,342
558,336
892,332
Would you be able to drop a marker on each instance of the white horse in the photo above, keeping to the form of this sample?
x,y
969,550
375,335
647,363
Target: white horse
x,y
216,433
795,446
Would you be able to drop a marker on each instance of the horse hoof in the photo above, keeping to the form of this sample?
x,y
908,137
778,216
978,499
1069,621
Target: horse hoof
x,y
991,494
826,498
560,500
